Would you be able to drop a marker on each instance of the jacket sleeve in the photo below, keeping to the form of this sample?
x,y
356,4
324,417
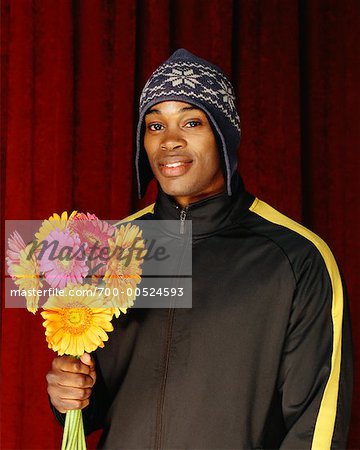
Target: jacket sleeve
x,y
315,377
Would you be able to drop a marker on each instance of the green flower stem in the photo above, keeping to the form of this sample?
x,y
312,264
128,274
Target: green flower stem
x,y
73,431
82,442
65,433
74,437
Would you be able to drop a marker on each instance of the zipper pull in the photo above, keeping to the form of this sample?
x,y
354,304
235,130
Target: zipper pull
x,y
182,221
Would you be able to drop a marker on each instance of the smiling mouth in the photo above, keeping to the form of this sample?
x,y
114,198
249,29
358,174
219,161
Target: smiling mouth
x,y
175,169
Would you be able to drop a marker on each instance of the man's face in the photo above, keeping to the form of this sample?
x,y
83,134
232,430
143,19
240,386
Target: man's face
x,y
182,151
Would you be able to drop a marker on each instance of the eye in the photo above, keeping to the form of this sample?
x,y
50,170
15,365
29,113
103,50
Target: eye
x,y
155,126
193,123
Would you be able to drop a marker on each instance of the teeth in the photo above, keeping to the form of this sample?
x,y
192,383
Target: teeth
x,y
177,164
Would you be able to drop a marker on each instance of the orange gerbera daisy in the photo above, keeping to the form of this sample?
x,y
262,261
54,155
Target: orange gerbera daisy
x,y
77,321
123,273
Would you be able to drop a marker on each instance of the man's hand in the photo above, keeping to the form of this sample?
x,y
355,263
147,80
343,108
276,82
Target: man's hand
x,y
70,382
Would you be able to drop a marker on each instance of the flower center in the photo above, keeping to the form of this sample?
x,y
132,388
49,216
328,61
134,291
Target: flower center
x,y
64,266
66,263
92,238
75,317
76,320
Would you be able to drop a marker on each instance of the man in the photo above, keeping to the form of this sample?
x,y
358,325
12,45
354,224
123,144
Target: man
x,y
262,359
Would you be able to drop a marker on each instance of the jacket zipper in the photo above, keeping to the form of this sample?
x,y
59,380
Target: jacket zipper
x,y
163,383
183,213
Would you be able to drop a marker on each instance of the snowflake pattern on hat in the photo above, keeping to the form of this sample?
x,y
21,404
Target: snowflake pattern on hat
x,y
188,77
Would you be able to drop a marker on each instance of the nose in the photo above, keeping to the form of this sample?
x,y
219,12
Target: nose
x,y
172,140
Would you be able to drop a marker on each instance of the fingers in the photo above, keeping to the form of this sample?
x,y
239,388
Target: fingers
x,y
70,382
64,405
70,364
69,398
68,379
75,394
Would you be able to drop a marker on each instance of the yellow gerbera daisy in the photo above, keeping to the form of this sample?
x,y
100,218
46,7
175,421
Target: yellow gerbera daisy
x,y
77,321
124,274
125,236
27,277
55,221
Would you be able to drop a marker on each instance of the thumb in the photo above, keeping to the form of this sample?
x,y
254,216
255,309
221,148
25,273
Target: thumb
x,y
89,361
86,359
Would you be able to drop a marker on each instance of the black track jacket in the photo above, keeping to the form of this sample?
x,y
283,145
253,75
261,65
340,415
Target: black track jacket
x,y
262,360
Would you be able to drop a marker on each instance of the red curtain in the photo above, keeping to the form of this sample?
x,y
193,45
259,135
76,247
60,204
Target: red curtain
x,y
72,72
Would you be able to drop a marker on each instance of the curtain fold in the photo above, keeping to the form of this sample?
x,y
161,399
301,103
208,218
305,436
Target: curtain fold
x,y
72,73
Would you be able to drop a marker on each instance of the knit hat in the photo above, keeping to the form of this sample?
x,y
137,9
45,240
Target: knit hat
x,y
185,77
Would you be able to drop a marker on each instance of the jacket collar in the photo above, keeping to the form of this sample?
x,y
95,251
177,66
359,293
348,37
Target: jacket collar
x,y
210,214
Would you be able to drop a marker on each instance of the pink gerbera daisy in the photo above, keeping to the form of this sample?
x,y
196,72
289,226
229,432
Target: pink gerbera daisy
x,y
95,233
65,260
16,244
83,216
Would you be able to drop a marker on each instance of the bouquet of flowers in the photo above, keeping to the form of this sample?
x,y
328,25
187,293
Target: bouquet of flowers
x,y
90,269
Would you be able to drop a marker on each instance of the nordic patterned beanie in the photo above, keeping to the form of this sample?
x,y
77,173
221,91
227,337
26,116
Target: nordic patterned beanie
x,y
185,77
